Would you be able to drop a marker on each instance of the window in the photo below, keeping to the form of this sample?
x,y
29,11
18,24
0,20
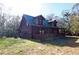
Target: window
x,y
41,31
27,24
34,22
40,21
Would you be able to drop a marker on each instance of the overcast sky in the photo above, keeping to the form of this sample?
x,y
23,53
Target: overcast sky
x,y
31,8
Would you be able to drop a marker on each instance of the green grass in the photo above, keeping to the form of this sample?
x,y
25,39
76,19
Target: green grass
x,y
5,42
12,46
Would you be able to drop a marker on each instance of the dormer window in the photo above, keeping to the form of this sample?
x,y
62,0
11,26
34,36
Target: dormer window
x,y
55,23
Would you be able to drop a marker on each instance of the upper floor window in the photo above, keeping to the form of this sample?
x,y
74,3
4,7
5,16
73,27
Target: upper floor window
x,y
34,22
40,22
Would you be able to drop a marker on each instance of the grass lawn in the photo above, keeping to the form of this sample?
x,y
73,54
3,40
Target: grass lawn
x,y
57,46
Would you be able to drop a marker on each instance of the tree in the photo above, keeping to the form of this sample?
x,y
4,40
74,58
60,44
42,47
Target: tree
x,y
66,17
74,24
75,9
12,25
9,23
2,20
74,19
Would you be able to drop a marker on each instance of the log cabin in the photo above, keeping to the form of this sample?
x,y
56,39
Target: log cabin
x,y
37,27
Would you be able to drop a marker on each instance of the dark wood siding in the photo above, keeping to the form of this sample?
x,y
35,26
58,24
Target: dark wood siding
x,y
38,30
24,29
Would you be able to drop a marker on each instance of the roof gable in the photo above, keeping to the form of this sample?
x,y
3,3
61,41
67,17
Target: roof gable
x,y
31,20
28,18
40,17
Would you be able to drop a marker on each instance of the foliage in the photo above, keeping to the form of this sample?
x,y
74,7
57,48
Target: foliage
x,y
74,24
9,23
74,19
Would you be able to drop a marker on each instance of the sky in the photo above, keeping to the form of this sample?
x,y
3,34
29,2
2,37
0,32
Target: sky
x,y
34,8
55,8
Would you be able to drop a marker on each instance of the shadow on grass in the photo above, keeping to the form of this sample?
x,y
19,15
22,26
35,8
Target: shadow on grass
x,y
59,41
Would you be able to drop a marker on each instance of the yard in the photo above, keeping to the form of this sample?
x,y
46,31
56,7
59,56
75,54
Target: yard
x,y
56,46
